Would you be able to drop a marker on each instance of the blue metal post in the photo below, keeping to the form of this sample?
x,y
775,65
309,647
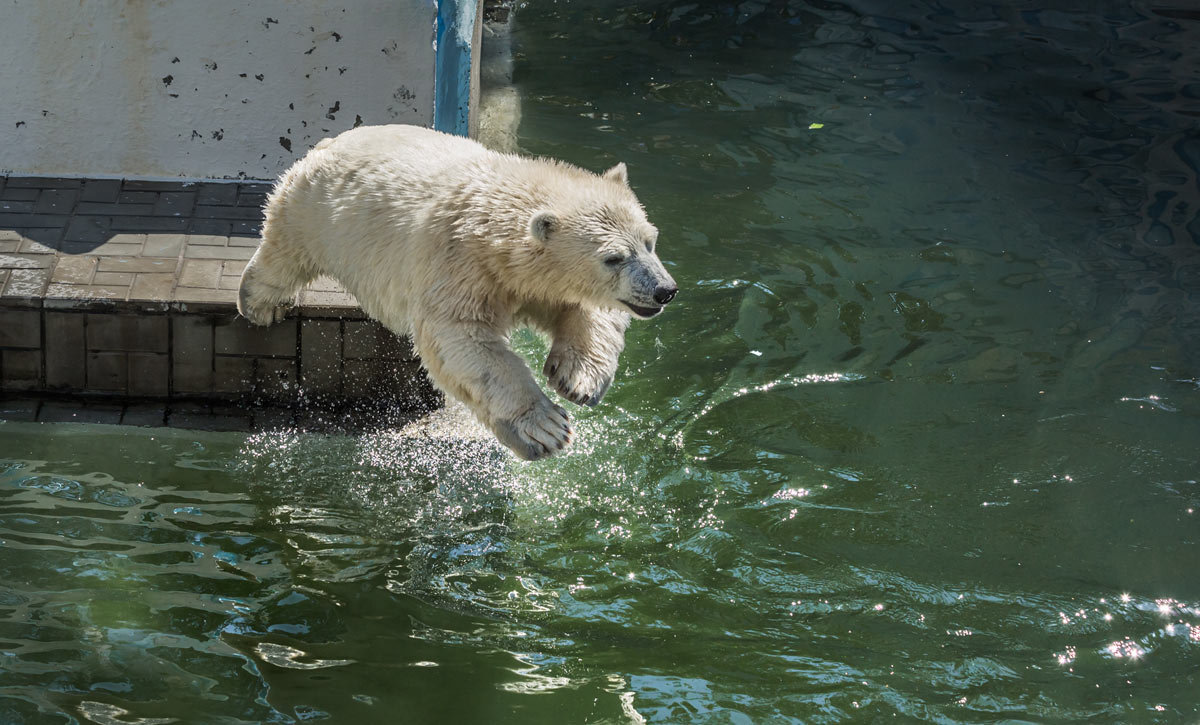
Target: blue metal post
x,y
452,81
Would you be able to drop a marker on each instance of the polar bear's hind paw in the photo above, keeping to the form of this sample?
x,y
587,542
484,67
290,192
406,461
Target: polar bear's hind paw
x,y
259,312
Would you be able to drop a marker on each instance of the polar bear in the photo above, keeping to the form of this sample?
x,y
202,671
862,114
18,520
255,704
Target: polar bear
x,y
455,245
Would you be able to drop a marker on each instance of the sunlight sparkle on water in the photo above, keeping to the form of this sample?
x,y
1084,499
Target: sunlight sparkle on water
x,y
790,493
787,379
1152,401
1126,648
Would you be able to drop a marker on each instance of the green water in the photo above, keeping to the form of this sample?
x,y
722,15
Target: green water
x,y
918,440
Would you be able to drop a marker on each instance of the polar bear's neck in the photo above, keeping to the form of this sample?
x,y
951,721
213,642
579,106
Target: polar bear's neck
x,y
494,203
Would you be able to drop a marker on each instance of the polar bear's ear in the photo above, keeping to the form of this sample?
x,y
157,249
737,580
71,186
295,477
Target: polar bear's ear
x,y
542,224
618,174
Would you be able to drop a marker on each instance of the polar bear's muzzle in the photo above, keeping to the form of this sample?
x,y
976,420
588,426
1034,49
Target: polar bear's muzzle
x,y
647,286
663,292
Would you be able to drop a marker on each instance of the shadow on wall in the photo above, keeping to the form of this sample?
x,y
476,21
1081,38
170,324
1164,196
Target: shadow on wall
x,y
126,240
79,216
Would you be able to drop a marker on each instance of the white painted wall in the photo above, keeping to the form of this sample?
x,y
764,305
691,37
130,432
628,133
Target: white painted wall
x,y
203,88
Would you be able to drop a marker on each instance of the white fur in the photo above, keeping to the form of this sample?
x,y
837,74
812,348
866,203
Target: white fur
x,y
439,238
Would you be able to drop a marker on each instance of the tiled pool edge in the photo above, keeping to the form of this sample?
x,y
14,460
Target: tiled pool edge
x,y
214,356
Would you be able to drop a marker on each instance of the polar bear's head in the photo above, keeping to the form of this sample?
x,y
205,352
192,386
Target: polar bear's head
x,y
604,247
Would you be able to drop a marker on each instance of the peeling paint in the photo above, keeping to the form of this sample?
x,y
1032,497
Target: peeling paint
x,y
131,64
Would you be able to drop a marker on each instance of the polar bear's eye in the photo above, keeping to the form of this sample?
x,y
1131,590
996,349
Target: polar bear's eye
x,y
613,260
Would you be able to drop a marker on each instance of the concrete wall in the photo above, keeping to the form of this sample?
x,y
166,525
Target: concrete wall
x,y
204,88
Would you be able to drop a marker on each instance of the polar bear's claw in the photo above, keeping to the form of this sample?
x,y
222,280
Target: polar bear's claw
x,y
582,395
593,401
265,315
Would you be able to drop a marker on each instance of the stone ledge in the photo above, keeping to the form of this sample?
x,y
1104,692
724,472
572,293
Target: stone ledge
x,y
127,289
215,356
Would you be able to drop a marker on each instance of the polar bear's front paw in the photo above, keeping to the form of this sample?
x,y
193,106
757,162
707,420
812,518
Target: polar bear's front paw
x,y
540,432
577,379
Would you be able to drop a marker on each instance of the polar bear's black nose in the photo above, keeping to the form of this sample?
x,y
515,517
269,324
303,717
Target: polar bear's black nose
x,y
663,295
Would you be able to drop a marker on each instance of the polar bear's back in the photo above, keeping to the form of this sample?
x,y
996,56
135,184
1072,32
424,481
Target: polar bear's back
x,y
395,157
401,144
